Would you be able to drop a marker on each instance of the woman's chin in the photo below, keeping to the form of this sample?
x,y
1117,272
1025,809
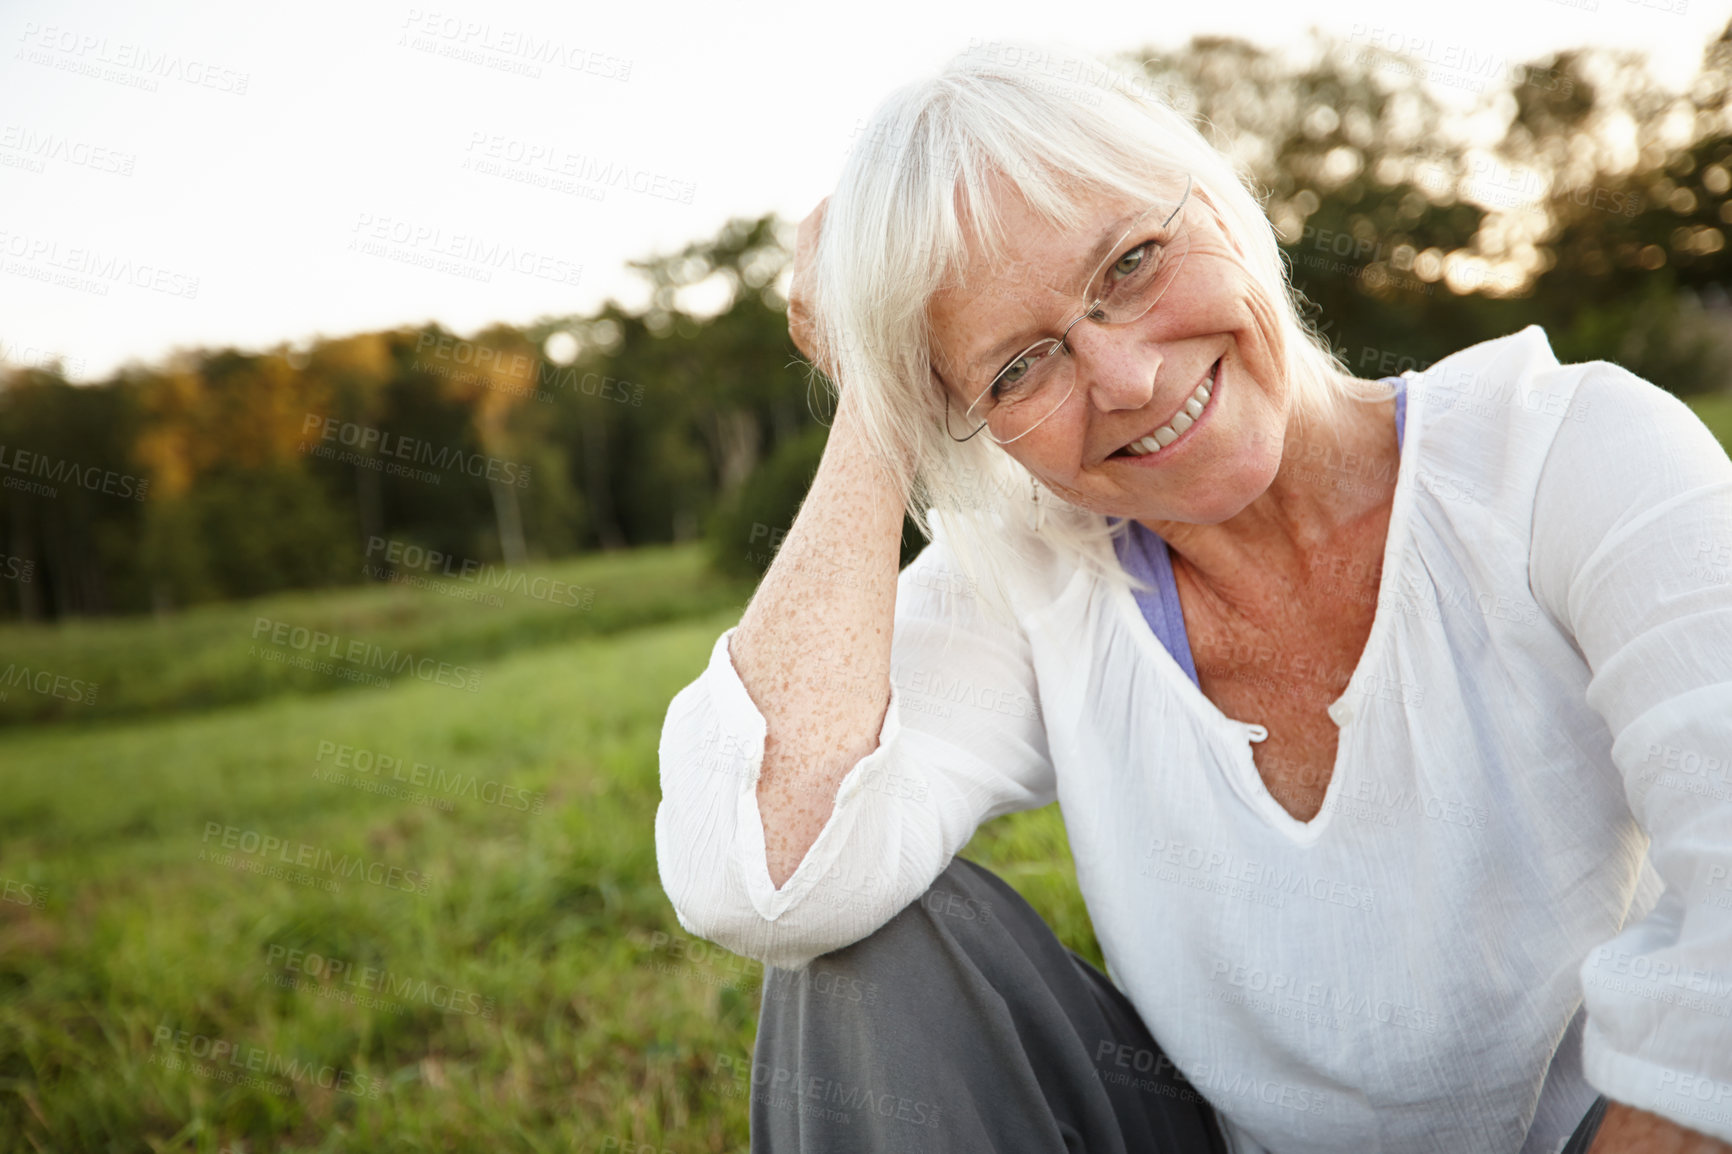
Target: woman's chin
x,y
1210,503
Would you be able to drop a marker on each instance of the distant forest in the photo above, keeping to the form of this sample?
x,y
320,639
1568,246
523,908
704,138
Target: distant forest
x,y
228,474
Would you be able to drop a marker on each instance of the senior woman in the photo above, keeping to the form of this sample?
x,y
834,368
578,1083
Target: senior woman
x,y
1390,720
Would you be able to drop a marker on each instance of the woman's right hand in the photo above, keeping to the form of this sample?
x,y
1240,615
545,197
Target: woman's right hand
x,y
803,328
802,325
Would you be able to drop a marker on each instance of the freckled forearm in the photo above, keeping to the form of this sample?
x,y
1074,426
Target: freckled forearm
x,y
1627,1130
813,647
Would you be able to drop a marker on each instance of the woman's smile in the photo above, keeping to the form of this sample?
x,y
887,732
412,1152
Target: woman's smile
x,y
1139,435
1168,440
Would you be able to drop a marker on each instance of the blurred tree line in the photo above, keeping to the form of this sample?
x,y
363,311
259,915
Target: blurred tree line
x,y
1597,209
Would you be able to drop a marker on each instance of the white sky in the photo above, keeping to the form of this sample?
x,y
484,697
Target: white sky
x,y
277,135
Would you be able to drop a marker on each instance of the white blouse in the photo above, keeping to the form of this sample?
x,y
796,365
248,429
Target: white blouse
x,y
1467,941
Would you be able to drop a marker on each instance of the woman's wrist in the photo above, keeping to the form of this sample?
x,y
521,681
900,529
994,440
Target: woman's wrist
x,y
855,450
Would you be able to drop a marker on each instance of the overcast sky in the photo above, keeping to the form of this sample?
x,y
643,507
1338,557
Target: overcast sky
x,y
188,173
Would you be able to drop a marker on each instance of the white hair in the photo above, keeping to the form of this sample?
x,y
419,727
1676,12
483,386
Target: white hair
x,y
917,191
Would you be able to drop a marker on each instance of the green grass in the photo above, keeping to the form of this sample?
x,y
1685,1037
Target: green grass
x,y
1716,413
584,1018
551,918
225,654
594,1016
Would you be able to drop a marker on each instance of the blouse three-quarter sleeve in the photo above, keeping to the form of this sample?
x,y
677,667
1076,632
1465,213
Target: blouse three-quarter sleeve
x,y
1632,553
962,741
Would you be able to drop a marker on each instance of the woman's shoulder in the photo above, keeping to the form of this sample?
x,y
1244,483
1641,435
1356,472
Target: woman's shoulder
x,y
1514,386
1484,420
988,562
1497,425
1504,377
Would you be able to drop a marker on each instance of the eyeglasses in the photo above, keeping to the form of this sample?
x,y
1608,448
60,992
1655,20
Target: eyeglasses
x,y
1036,382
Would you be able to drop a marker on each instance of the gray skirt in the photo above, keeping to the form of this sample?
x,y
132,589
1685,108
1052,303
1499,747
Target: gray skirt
x,y
964,1025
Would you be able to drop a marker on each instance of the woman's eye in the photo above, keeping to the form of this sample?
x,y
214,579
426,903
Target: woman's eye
x,y
1131,261
1014,372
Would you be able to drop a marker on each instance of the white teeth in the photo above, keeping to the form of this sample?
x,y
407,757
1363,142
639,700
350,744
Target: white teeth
x,y
1184,419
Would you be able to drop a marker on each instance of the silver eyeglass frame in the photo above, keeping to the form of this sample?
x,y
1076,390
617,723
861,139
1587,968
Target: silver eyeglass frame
x,y
1061,344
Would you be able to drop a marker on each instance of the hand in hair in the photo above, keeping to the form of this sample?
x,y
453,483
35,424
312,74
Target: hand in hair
x,y
802,326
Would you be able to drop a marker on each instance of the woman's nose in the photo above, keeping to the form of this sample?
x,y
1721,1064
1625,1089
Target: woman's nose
x,y
1118,372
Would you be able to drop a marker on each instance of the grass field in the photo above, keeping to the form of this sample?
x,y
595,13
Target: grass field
x,y
537,996
225,654
468,947
1716,413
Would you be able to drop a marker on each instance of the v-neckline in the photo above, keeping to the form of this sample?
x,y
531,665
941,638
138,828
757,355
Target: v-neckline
x,y
1245,778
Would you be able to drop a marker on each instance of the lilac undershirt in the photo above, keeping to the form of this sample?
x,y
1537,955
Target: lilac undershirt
x,y
1145,554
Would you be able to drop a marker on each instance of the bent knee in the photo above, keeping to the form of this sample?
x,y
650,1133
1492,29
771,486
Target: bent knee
x,y
967,907
964,894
